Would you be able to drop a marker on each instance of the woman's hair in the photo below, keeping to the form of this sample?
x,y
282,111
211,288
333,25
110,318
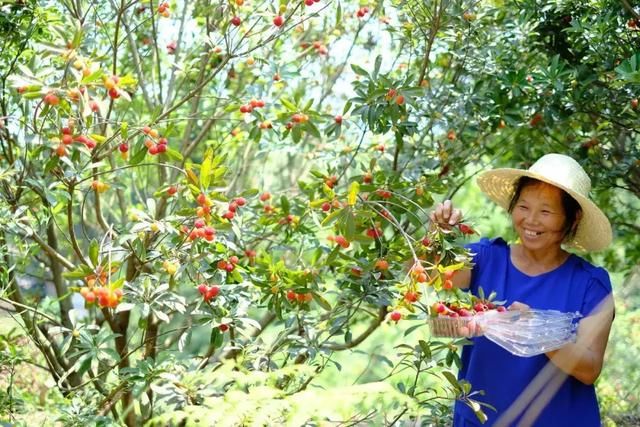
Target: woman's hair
x,y
571,207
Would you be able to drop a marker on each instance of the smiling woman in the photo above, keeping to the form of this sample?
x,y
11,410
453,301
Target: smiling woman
x,y
551,213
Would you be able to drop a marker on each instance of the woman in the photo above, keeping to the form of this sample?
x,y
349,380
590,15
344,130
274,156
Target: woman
x,y
551,211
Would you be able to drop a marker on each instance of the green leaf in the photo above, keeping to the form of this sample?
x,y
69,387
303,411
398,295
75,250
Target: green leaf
x,y
424,346
94,249
138,157
359,70
332,217
284,204
288,104
376,68
206,169
321,301
173,154
313,130
452,379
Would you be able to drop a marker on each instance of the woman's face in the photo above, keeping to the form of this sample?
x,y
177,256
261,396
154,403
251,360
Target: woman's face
x,y
539,218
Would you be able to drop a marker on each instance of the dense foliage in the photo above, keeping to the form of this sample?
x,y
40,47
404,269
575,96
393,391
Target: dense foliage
x,y
205,205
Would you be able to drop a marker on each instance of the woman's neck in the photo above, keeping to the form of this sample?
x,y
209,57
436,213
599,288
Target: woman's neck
x,y
538,261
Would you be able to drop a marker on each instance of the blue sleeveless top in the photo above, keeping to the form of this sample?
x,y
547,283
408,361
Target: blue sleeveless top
x,y
576,285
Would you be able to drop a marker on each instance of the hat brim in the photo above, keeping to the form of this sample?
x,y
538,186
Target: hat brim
x,y
594,230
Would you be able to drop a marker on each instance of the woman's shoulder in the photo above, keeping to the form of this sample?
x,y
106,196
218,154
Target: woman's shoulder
x,y
592,273
589,268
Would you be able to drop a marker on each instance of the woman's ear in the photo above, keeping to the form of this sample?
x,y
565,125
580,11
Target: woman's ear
x,y
574,227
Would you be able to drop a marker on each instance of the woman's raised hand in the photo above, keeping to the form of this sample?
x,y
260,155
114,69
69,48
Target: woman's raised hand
x,y
445,214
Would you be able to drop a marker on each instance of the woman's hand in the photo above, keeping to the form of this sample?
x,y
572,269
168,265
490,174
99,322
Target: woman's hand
x,y
445,215
517,305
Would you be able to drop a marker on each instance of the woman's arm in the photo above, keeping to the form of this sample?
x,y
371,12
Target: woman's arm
x,y
583,359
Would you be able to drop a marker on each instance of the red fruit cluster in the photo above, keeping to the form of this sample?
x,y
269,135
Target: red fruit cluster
x,y
155,144
111,84
418,273
331,181
201,230
103,295
233,207
254,103
452,309
205,205
385,194
362,12
228,265
164,9
208,292
294,297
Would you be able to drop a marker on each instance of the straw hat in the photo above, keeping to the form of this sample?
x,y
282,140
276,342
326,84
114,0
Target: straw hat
x,y
594,230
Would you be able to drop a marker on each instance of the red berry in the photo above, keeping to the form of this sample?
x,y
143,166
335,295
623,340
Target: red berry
x,y
465,229
202,288
326,206
228,215
241,201
278,21
236,21
234,259
265,196
223,327
123,148
342,241
338,119
172,190
199,223
212,292
501,308
202,199
395,316
291,296
411,296
209,231
67,139
309,2
153,150
114,93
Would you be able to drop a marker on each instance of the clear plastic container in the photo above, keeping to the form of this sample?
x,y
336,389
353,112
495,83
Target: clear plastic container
x,y
522,333
533,332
